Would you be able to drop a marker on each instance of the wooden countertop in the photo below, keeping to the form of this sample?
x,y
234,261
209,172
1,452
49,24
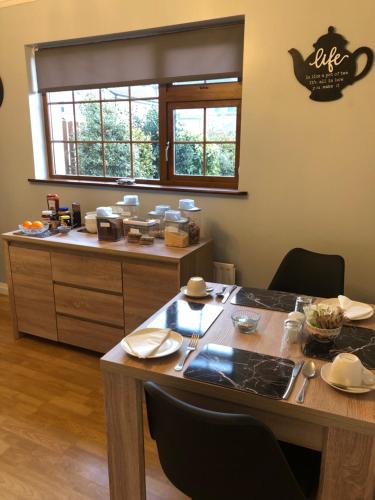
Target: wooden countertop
x,y
76,240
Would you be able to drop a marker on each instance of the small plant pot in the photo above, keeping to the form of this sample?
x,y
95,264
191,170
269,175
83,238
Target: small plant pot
x,y
322,334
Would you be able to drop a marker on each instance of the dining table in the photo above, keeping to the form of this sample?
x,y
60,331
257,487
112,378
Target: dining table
x,y
338,424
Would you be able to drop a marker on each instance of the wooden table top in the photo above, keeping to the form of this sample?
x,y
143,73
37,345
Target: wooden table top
x,y
76,240
323,404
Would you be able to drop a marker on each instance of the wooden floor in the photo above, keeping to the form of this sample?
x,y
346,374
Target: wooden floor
x,y
52,430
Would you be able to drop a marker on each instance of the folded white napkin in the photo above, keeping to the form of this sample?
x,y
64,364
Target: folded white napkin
x,y
353,310
146,343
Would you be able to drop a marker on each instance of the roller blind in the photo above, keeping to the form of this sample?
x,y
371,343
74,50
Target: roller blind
x,y
203,53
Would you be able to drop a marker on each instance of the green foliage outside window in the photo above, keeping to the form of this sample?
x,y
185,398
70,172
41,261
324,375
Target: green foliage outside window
x,y
117,155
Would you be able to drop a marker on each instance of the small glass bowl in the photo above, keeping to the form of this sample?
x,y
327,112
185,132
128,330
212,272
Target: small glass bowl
x,y
33,232
246,322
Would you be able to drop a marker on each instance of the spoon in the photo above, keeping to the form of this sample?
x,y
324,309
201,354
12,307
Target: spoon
x,y
308,371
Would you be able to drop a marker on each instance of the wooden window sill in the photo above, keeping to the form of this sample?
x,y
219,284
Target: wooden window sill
x,y
151,187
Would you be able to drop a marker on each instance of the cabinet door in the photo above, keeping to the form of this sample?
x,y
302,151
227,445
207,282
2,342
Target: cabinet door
x,y
33,291
147,287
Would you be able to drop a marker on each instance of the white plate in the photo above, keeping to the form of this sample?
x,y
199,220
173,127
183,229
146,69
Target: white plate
x,y
335,302
169,346
183,289
325,371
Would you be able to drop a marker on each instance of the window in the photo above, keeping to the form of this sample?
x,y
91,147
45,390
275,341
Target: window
x,y
186,134
105,133
161,106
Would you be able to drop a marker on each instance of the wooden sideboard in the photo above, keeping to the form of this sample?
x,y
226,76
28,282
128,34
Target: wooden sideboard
x,y
74,289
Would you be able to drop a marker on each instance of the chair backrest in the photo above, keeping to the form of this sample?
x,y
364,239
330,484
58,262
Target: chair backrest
x,y
310,273
216,456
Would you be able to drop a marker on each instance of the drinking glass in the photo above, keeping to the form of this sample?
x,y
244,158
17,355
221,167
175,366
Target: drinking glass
x,y
301,302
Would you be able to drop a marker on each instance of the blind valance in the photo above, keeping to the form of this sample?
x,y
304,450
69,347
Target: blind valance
x,y
194,54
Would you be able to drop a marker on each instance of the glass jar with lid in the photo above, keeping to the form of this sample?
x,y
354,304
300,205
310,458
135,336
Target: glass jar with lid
x,y
109,227
130,206
158,214
175,229
194,216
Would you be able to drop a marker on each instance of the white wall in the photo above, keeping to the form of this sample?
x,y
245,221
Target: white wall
x,y
308,166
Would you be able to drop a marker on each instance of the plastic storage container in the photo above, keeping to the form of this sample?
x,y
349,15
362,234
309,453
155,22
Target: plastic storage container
x,y
130,205
122,209
159,214
176,229
135,227
109,227
194,216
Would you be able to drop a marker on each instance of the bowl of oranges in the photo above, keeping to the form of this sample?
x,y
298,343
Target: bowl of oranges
x,y
33,228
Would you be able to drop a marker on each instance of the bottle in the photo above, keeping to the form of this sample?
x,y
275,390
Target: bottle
x,y
65,220
53,202
47,217
64,211
194,215
76,211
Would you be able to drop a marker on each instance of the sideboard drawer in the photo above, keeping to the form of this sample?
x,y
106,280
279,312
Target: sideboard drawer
x,y
100,338
87,304
86,271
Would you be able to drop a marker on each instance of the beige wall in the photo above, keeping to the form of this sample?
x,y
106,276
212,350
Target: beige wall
x,y
309,167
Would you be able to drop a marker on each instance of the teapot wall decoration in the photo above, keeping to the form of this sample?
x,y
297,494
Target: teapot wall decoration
x,y
331,67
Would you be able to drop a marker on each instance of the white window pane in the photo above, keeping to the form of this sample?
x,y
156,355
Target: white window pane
x,y
191,82
116,121
88,121
64,158
86,95
222,80
115,93
220,160
221,124
90,159
188,159
146,161
117,160
65,96
145,120
144,91
188,124
62,122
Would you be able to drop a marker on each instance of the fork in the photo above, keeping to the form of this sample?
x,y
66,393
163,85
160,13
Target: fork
x,y
190,348
221,292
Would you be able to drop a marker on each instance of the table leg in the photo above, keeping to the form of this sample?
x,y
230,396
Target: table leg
x,y
348,466
126,464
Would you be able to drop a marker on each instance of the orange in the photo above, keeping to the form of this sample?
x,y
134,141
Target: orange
x,y
27,224
36,224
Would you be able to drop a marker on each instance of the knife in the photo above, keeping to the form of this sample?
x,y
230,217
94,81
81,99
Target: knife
x,y
227,293
295,372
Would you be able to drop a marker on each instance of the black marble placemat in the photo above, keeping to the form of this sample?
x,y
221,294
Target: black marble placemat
x,y
241,370
187,317
355,339
265,299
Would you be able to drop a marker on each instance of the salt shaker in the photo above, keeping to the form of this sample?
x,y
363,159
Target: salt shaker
x,y
292,331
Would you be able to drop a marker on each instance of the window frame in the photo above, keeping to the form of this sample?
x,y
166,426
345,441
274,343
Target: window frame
x,y
169,96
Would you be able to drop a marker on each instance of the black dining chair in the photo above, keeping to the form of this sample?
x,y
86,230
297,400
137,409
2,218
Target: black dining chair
x,y
310,273
224,456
